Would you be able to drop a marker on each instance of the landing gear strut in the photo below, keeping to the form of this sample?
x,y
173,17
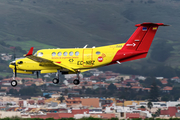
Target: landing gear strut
x,y
76,81
14,82
56,80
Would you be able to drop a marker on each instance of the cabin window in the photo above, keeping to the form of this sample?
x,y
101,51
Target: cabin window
x,y
40,54
77,53
65,53
71,53
53,54
59,53
97,53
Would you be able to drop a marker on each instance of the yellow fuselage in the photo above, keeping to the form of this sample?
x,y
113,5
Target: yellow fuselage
x,y
77,58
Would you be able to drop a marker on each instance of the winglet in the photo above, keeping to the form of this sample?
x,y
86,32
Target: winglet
x,y
30,52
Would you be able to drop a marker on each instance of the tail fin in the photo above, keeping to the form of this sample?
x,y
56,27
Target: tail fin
x,y
142,38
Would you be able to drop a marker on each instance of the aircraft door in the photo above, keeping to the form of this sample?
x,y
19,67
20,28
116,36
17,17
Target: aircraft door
x,y
88,58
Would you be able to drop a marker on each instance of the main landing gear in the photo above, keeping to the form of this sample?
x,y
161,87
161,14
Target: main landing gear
x,y
76,81
56,80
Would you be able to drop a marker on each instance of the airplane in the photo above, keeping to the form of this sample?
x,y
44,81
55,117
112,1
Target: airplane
x,y
78,60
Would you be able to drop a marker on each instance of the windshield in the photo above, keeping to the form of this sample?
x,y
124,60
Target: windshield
x,y
35,54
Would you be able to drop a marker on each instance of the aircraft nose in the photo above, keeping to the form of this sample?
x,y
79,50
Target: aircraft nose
x,y
12,64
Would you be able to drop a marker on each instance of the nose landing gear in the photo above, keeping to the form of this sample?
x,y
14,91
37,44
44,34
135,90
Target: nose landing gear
x,y
13,83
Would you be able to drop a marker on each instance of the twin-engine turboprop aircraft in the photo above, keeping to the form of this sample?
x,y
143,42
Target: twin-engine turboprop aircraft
x,y
77,60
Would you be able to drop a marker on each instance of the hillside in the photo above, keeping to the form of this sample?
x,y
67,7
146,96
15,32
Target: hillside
x,y
75,23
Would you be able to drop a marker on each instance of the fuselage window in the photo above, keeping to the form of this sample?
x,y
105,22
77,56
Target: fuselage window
x,y
77,53
65,53
53,54
40,54
59,53
97,53
71,53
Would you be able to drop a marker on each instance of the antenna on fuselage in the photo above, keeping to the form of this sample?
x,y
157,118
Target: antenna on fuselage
x,y
118,62
85,46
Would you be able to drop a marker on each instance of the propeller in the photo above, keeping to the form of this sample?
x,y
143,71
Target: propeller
x,y
15,68
37,73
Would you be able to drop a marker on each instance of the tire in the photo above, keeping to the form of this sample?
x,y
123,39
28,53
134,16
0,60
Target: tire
x,y
13,83
76,82
55,81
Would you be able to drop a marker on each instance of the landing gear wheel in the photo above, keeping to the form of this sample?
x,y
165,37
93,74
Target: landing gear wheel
x,y
13,83
76,82
55,81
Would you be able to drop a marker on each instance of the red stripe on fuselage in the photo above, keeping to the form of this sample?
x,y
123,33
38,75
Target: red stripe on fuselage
x,y
123,56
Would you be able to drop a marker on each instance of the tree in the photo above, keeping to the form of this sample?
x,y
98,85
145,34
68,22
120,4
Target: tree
x,y
122,79
87,74
161,51
142,107
158,112
89,91
154,93
47,96
177,105
83,88
61,98
150,105
112,87
66,91
23,81
13,91
8,104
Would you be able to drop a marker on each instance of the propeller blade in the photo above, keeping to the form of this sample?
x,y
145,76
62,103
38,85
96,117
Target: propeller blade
x,y
15,70
37,73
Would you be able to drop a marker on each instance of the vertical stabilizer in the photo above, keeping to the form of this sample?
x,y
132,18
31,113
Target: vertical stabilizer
x,y
142,38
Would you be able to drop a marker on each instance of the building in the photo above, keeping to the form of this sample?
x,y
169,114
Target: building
x,y
89,102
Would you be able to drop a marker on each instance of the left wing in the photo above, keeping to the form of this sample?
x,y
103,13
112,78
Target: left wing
x,y
46,62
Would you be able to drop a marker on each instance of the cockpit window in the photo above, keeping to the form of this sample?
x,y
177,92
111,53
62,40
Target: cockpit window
x,y
40,54
35,54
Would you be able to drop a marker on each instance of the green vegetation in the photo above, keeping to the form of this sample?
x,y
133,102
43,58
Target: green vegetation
x,y
32,90
90,118
26,45
66,23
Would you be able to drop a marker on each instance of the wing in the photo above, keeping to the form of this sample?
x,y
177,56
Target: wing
x,y
46,62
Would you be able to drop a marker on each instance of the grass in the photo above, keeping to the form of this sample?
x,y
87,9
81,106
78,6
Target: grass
x,y
26,45
67,23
